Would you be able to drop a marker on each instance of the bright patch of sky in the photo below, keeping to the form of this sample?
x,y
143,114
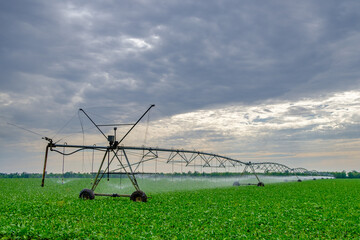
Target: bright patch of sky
x,y
268,130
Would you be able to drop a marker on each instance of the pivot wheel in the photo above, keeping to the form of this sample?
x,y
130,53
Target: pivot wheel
x,y
261,184
87,194
236,183
138,196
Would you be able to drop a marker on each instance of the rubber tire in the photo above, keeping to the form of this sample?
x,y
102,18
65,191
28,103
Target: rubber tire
x,y
261,184
299,180
87,194
236,184
138,196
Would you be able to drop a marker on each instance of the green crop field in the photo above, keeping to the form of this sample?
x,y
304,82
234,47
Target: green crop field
x,y
322,209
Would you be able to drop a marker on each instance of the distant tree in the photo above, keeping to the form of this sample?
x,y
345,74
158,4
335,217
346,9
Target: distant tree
x,y
354,174
340,174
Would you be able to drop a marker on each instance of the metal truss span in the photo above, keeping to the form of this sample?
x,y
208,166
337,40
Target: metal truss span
x,y
119,159
186,158
128,160
210,160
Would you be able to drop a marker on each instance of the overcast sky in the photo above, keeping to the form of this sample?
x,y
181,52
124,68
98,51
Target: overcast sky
x,y
255,80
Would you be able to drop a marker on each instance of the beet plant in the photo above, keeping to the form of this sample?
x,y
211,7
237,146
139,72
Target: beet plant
x,y
324,209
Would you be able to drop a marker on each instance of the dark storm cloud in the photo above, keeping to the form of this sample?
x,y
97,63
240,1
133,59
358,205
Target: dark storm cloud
x,y
182,54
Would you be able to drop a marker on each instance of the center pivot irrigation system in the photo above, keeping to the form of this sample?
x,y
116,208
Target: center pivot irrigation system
x,y
188,160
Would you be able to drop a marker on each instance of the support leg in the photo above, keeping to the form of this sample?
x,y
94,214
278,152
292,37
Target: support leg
x,y
45,162
132,177
98,173
260,184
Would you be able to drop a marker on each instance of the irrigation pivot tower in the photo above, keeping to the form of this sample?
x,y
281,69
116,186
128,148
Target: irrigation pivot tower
x,y
115,152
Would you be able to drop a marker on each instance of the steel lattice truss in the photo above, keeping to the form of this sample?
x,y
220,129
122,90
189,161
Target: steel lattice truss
x,y
119,159
128,160
204,160
188,158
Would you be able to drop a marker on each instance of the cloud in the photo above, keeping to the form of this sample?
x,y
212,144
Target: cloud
x,y
309,116
308,128
183,56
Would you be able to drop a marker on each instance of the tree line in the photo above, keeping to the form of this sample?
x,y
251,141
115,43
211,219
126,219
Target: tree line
x,y
343,174
48,175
